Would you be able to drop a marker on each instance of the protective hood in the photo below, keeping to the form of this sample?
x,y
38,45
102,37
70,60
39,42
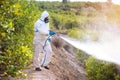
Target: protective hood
x,y
44,15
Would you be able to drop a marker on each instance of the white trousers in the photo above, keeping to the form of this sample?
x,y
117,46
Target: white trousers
x,y
42,57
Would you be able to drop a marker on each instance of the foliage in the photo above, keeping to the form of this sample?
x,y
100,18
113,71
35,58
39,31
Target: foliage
x,y
83,34
75,33
75,14
101,70
15,36
61,22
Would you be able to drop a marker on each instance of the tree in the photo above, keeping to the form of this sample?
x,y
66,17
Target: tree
x,y
65,1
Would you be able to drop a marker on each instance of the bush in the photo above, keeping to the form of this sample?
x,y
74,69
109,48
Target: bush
x,y
15,36
75,33
61,22
100,70
71,24
83,34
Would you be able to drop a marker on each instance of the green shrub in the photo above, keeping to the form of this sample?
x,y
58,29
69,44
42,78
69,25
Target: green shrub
x,y
117,77
61,22
15,36
75,33
71,24
100,70
83,34
57,22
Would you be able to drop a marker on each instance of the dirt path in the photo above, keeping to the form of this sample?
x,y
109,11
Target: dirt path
x,y
40,75
31,74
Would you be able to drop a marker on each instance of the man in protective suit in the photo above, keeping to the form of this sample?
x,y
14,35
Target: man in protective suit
x,y
42,42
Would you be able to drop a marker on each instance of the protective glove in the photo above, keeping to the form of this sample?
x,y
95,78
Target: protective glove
x,y
51,33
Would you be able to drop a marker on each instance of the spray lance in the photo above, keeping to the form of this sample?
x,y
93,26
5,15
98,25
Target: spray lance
x,y
51,33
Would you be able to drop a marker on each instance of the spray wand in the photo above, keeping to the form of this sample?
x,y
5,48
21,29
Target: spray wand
x,y
51,33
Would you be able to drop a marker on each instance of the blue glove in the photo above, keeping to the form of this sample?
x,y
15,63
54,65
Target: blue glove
x,y
51,33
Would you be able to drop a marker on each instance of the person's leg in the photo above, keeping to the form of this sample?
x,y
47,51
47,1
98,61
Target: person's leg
x,y
47,56
37,57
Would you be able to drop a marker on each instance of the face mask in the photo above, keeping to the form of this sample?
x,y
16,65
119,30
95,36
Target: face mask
x,y
46,20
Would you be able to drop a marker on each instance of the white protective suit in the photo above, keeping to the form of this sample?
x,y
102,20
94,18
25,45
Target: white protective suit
x,y
42,57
